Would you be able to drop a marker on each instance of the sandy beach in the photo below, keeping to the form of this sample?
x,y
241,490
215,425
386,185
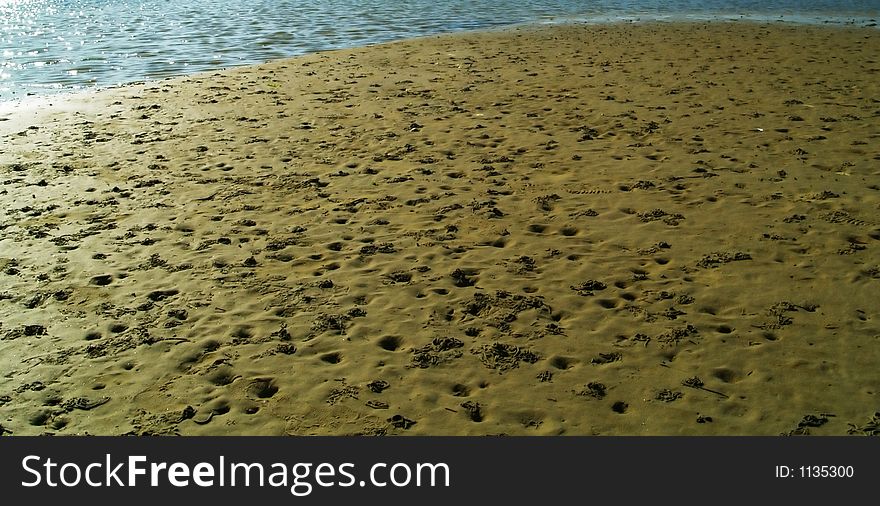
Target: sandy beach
x,y
632,229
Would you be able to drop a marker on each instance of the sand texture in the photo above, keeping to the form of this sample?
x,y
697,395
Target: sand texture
x,y
631,229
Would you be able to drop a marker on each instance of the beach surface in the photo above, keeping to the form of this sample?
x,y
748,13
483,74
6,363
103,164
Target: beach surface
x,y
629,229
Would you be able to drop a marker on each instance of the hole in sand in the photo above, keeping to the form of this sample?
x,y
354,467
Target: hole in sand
x,y
537,228
159,295
460,390
262,388
332,358
210,345
222,377
220,409
607,303
102,280
562,363
242,334
40,418
390,343
726,375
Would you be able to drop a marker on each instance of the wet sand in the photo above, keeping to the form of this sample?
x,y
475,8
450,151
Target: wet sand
x,y
630,229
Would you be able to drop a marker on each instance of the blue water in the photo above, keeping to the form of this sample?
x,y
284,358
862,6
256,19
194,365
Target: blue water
x,y
61,45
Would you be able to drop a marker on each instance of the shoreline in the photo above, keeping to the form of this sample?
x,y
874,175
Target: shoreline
x,y
579,229
792,20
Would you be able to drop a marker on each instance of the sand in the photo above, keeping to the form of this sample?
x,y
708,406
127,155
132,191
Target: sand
x,y
615,230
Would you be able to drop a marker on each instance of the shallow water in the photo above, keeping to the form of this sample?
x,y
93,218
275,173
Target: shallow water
x,y
62,45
